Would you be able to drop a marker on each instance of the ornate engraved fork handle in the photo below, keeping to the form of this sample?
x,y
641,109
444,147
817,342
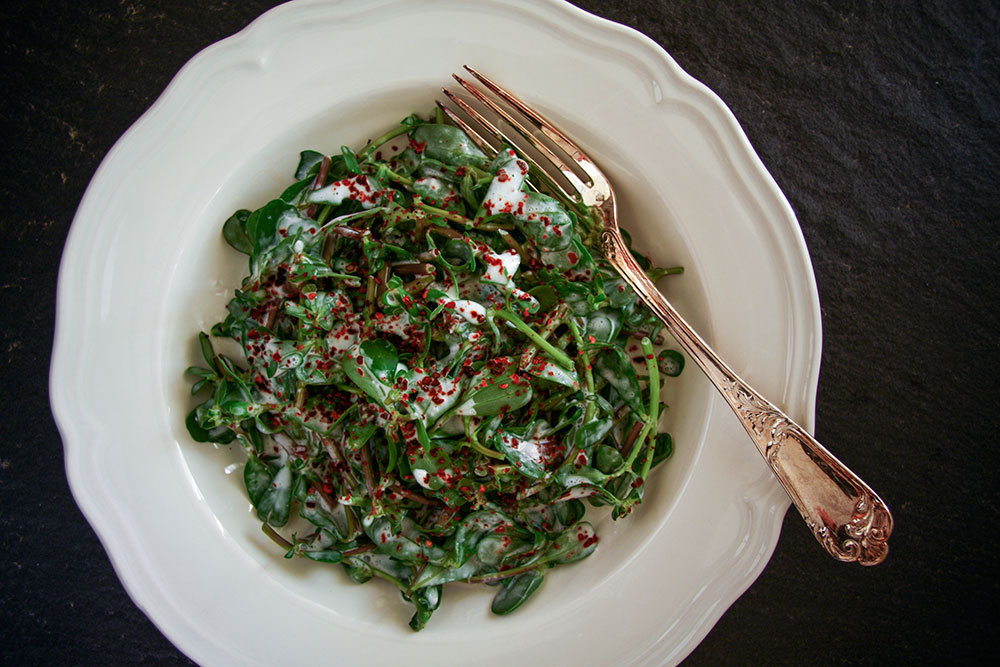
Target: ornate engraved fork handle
x,y
845,515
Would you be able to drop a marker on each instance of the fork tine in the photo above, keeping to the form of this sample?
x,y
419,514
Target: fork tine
x,y
550,130
558,162
502,136
601,186
477,139
492,129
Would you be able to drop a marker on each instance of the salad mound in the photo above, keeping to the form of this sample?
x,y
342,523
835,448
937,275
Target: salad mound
x,y
440,372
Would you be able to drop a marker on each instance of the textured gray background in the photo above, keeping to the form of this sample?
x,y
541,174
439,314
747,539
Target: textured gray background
x,y
879,120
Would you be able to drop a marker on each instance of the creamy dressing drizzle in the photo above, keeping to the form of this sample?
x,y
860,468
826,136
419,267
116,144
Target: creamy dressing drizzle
x,y
504,194
529,448
422,477
360,188
435,190
500,267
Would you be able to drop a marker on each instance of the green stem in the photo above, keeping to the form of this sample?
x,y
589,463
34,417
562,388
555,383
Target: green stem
x,y
551,324
556,399
275,537
588,372
324,213
351,217
369,299
378,141
388,577
474,442
654,401
656,274
422,359
636,448
654,381
399,178
512,242
440,212
557,355
496,576
494,226
343,276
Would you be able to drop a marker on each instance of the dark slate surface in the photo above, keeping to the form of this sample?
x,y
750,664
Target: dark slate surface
x,y
879,122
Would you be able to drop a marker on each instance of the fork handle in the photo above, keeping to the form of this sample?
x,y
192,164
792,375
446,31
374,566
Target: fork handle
x,y
846,516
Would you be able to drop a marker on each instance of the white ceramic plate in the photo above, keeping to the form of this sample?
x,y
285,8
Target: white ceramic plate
x,y
145,268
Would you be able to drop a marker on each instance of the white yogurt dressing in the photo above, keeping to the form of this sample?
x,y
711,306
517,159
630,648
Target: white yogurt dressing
x,y
500,267
444,389
437,191
360,188
529,448
504,194
422,477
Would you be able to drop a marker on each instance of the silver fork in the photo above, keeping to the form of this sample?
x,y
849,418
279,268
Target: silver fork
x,y
846,516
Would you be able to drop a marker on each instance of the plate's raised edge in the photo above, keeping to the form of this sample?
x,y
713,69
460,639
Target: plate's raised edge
x,y
240,48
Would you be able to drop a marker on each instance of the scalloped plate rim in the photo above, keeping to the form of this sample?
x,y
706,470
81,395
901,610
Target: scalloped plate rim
x,y
76,437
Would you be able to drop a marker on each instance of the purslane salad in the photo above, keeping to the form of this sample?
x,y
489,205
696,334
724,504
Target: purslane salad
x,y
439,370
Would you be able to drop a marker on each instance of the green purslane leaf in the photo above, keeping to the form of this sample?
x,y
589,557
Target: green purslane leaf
x,y
515,591
575,543
350,160
617,370
234,230
602,328
434,385
308,164
608,459
372,367
671,362
270,490
490,394
426,600
472,530
296,190
523,448
199,432
448,144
